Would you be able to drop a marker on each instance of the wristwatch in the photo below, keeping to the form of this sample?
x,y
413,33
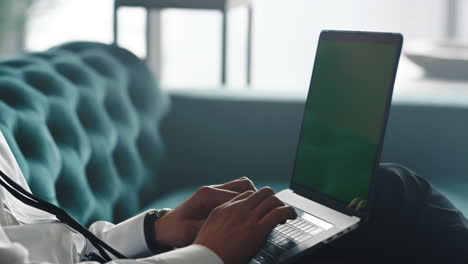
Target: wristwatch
x,y
150,231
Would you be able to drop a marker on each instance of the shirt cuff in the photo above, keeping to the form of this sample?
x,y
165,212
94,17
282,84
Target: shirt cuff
x,y
127,237
136,235
194,254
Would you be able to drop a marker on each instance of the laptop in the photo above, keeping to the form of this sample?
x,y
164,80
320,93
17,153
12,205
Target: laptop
x,y
340,142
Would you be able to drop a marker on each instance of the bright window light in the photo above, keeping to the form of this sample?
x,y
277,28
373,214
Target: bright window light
x,y
285,35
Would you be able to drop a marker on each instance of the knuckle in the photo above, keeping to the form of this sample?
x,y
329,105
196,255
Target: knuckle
x,y
249,192
218,210
243,195
246,181
276,211
276,200
204,190
238,206
268,190
281,212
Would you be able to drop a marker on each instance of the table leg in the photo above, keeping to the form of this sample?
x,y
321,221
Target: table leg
x,y
249,45
154,55
224,48
115,24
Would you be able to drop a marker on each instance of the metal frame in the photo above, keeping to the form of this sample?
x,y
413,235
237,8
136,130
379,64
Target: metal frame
x,y
452,22
153,27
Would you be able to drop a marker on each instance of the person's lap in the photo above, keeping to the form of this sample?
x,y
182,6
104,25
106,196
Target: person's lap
x,y
410,221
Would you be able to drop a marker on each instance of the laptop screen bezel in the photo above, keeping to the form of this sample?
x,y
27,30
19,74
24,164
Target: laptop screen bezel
x,y
322,198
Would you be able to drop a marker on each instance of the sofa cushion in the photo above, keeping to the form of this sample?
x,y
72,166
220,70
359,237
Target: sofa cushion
x,y
82,120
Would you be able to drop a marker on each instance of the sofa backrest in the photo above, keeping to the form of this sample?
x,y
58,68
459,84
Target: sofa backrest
x,y
82,121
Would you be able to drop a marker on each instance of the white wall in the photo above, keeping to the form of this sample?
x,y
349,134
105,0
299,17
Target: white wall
x,y
285,35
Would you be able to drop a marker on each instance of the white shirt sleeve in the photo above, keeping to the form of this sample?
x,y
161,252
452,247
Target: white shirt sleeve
x,y
128,238
13,253
194,254
57,250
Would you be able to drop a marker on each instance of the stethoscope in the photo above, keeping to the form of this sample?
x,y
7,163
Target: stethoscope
x,y
29,199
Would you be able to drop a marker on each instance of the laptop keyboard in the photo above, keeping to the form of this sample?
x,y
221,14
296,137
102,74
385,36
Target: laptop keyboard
x,y
285,237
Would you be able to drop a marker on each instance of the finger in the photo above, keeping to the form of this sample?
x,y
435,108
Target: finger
x,y
210,198
277,216
267,205
353,202
240,185
242,196
360,205
256,198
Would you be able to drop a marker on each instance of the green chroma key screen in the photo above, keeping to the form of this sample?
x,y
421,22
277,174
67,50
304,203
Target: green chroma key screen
x,y
344,116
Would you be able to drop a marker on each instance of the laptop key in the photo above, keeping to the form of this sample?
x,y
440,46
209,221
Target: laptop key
x,y
273,250
304,238
300,237
301,225
294,233
282,227
287,244
310,229
262,257
285,237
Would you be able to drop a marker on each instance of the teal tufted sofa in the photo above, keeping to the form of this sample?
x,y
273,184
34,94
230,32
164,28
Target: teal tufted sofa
x,y
82,120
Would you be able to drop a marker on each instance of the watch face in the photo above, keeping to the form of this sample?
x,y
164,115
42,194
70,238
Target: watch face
x,y
161,212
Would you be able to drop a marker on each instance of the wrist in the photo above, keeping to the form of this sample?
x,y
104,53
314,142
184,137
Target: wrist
x,y
154,240
159,227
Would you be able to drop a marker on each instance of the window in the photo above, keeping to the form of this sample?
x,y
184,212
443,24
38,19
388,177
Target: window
x,y
285,35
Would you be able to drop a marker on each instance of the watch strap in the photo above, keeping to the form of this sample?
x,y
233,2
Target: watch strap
x,y
150,231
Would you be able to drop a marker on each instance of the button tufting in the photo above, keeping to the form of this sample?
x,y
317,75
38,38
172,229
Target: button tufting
x,y
82,120
74,73
45,82
66,130
18,95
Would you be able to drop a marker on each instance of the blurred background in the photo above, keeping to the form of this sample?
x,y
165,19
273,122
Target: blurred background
x,y
249,124
284,34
